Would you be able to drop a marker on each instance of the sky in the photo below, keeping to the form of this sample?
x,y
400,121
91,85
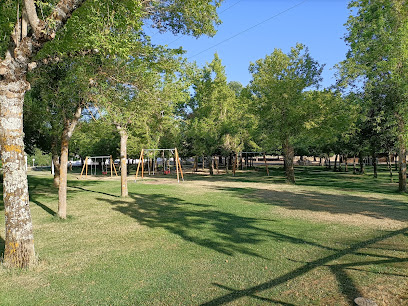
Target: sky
x,y
252,29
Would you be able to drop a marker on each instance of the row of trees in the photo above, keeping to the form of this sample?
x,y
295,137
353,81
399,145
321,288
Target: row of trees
x,y
37,33
99,64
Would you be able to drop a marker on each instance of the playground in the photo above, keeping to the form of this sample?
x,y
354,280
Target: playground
x,y
247,239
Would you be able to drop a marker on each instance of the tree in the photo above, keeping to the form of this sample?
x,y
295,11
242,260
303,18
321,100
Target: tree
x,y
26,36
378,40
212,125
279,82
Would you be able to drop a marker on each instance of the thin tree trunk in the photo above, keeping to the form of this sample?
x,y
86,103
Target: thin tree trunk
x,y
389,165
123,161
374,161
226,165
289,154
354,165
402,175
69,127
361,161
335,163
203,163
211,165
19,238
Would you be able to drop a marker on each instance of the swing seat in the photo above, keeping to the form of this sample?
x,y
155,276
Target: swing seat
x,y
166,172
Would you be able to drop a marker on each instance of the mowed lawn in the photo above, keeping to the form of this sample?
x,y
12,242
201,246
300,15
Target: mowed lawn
x,y
243,240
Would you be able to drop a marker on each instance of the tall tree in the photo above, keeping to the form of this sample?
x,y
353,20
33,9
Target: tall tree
x,y
212,125
378,41
279,81
26,34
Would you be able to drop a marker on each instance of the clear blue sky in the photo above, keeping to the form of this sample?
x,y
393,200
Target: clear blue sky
x,y
319,24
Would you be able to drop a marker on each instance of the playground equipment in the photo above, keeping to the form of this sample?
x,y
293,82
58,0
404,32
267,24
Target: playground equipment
x,y
152,162
93,162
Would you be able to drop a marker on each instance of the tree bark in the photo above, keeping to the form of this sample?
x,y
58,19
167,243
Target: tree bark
x,y
289,154
19,238
69,127
361,161
57,169
374,162
123,159
211,165
389,165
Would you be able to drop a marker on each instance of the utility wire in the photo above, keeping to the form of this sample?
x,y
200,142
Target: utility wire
x,y
250,28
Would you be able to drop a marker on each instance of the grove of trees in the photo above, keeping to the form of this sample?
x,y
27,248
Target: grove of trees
x,y
99,86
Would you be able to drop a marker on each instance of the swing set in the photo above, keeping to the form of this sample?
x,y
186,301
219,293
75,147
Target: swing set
x,y
93,162
153,163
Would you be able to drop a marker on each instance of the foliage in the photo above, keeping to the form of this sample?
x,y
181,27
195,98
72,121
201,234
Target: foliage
x,y
57,91
95,138
215,125
279,82
41,158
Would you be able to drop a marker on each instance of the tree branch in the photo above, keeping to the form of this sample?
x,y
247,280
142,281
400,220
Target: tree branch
x,y
32,15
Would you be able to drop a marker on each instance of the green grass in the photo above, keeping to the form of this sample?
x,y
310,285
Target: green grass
x,y
244,240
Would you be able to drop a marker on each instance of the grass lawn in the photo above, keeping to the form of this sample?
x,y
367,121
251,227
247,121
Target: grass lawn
x,y
243,240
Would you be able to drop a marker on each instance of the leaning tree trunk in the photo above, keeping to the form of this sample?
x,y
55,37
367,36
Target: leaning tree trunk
x,y
288,155
69,127
123,160
19,239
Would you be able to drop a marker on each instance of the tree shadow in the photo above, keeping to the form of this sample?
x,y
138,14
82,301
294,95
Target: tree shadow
x,y
93,191
2,247
346,286
43,206
201,224
376,208
311,176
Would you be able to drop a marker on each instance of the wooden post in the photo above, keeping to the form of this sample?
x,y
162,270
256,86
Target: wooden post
x,y
266,165
142,167
138,165
85,165
110,164
177,164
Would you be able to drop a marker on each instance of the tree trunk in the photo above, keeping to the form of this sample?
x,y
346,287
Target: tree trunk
x,y
375,164
335,163
123,160
69,127
402,175
389,165
354,165
289,154
211,165
19,238
361,161
57,167
226,165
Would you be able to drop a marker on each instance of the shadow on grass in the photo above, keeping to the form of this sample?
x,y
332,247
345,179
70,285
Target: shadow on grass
x,y
93,191
312,176
377,208
198,223
346,285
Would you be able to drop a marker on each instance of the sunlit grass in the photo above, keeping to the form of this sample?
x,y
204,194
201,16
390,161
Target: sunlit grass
x,y
248,239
